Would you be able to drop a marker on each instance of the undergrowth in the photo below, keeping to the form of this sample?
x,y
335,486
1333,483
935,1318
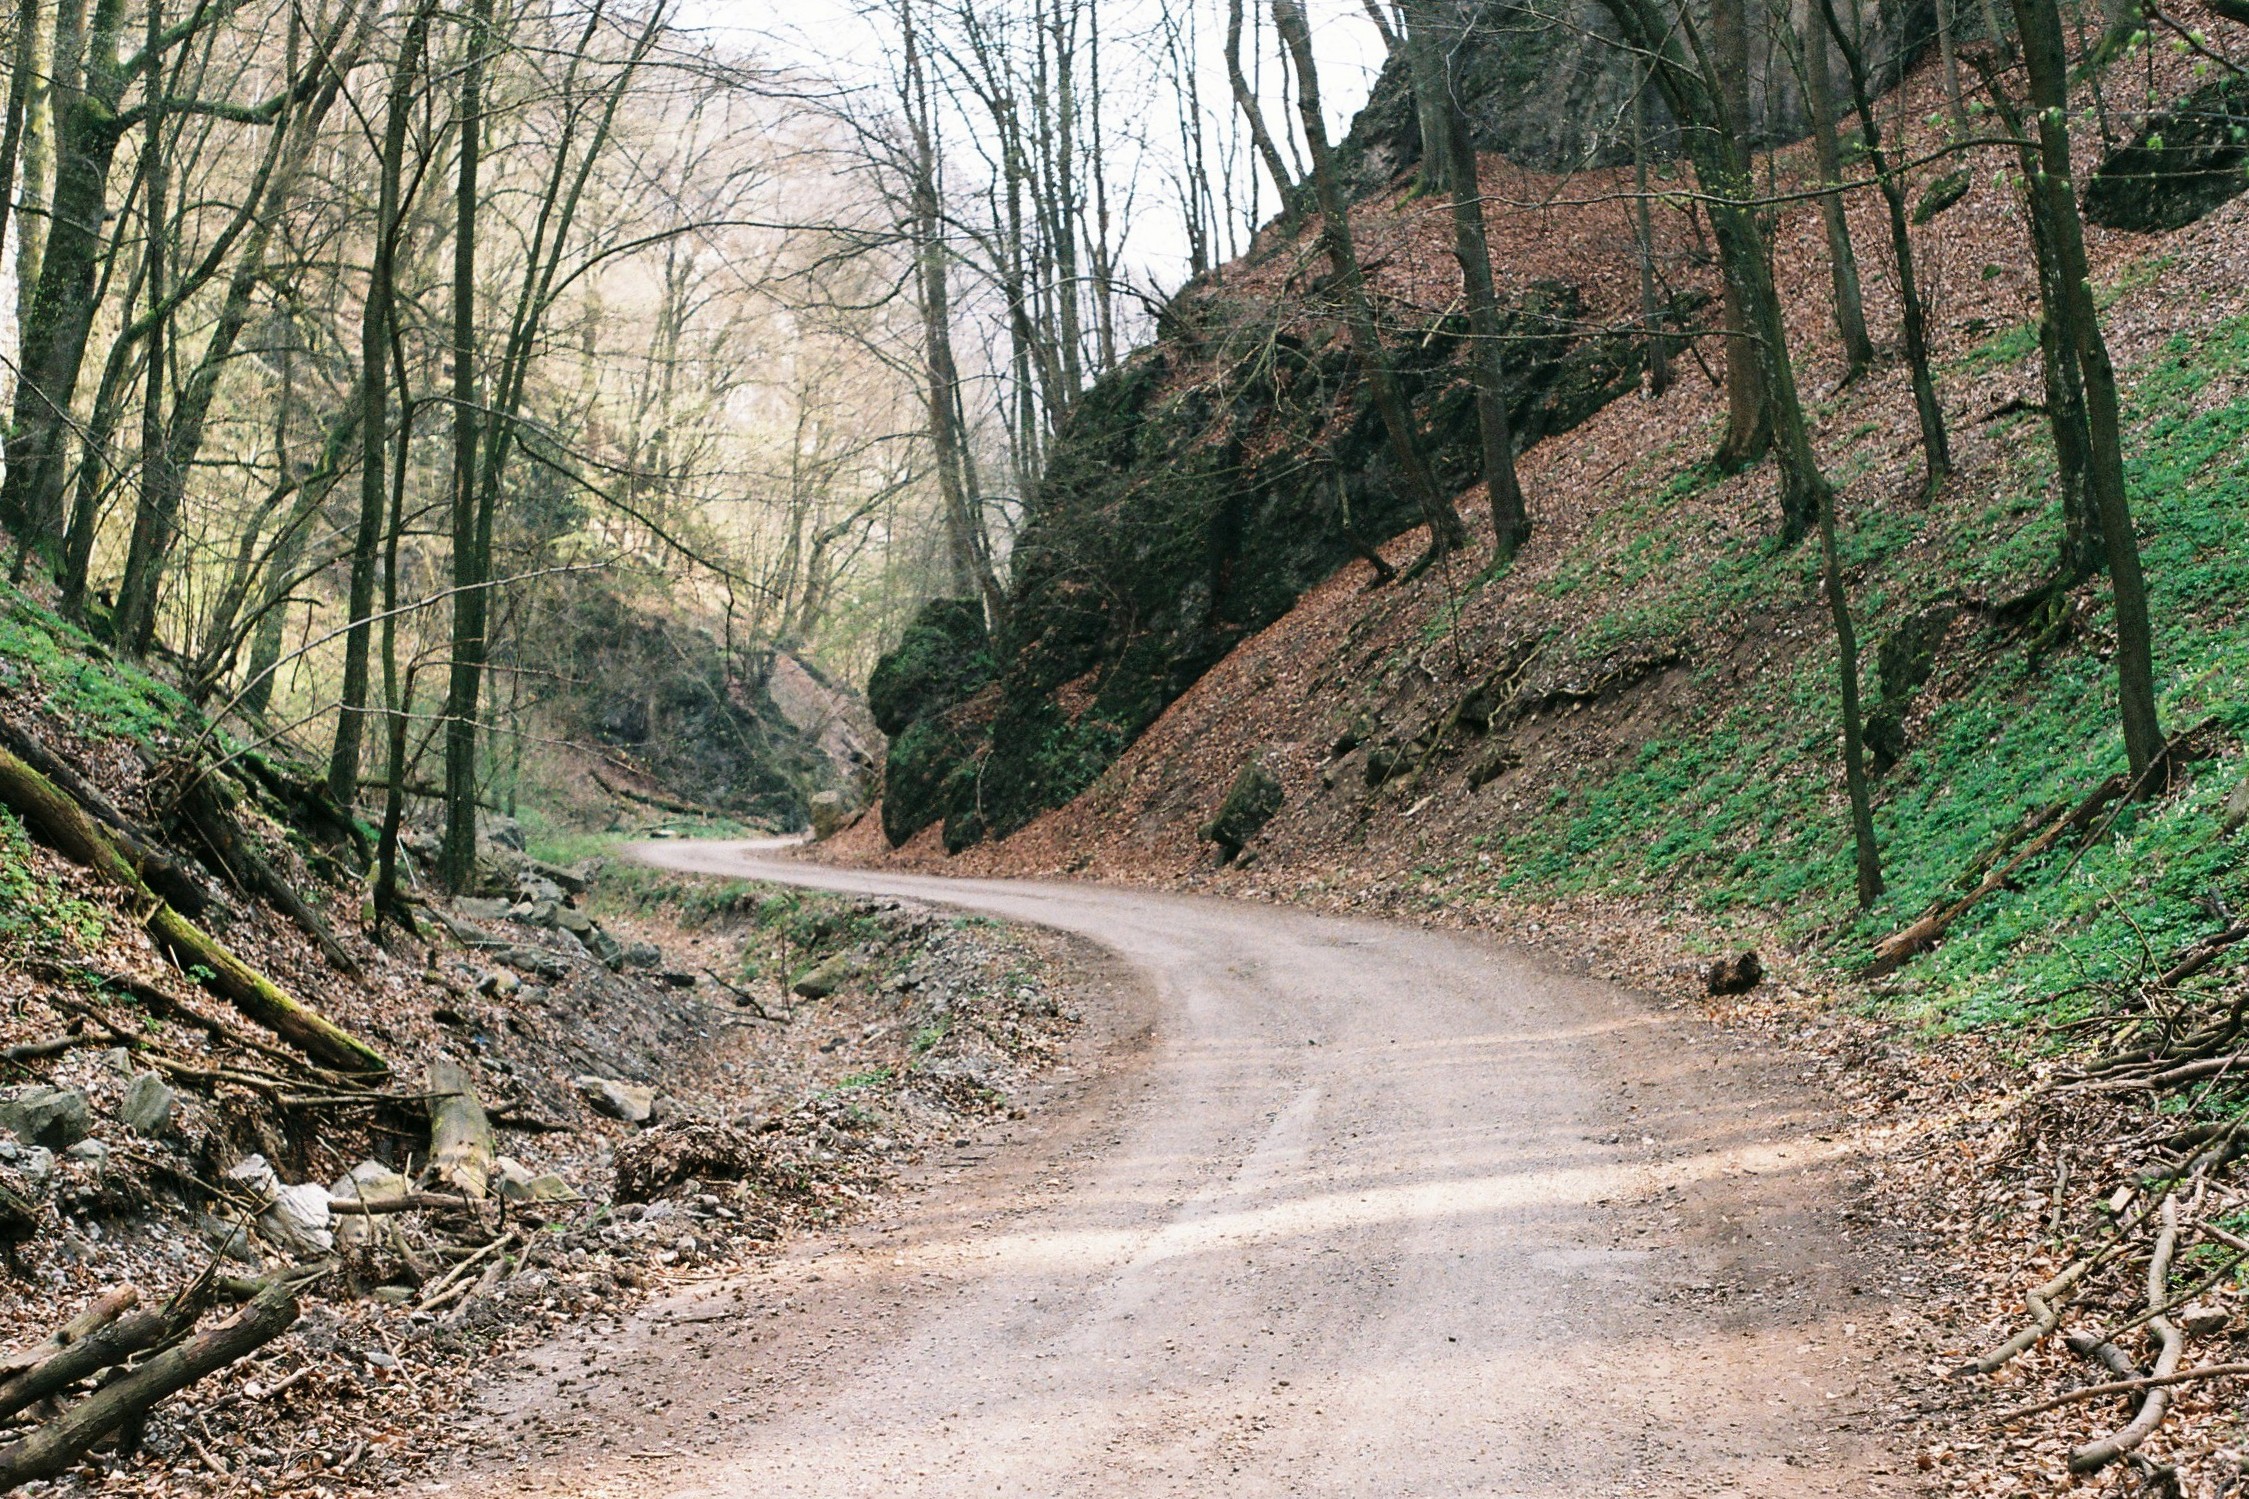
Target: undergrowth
x,y
1743,815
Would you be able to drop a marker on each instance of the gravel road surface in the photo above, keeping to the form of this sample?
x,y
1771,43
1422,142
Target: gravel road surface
x,y
1343,1207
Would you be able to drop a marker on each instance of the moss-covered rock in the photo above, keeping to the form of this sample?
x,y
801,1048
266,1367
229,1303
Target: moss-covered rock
x,y
1250,804
1190,499
944,657
2182,164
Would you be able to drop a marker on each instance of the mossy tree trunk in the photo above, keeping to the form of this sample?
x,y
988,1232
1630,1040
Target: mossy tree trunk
x,y
2053,197
60,823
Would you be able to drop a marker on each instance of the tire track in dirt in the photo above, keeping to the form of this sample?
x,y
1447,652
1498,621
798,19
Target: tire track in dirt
x,y
1366,1210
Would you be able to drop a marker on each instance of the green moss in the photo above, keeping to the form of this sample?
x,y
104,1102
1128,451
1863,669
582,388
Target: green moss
x,y
42,656
37,912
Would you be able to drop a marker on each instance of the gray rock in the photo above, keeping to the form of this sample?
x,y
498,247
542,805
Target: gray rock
x,y
90,1153
228,1238
573,921
539,890
502,831
2202,1319
532,960
605,948
829,809
575,881
827,977
538,913
57,1118
498,984
619,1100
481,908
642,955
518,1183
147,1109
294,1218
36,1163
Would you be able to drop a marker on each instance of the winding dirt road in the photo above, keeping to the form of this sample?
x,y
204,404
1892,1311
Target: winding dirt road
x,y
1365,1209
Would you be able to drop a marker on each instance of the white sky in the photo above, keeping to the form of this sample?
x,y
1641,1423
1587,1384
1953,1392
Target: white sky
x,y
847,39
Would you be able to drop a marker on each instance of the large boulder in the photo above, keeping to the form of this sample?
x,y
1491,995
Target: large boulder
x,y
2183,163
56,1118
1250,804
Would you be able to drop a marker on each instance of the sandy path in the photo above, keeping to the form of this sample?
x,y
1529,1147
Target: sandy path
x,y
1372,1210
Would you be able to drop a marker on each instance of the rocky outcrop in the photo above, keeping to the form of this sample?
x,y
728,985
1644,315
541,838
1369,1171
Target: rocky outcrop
x,y
1557,97
1191,498
2183,163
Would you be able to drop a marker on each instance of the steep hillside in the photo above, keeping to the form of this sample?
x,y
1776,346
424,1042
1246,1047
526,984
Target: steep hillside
x,y
1196,493
1624,747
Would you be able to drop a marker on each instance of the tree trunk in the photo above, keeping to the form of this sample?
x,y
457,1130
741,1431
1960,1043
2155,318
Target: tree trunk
x,y
1253,114
472,551
1439,46
374,416
1445,529
156,514
967,548
1749,415
62,308
1643,222
1936,447
1843,265
2077,321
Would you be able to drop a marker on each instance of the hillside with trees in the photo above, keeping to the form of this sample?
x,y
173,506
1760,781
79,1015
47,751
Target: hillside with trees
x,y
1749,502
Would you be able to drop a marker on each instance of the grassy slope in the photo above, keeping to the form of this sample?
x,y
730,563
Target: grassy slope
x,y
1739,812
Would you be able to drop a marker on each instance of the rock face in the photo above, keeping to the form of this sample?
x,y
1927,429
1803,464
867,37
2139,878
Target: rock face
x,y
55,1118
1189,502
1551,88
2181,165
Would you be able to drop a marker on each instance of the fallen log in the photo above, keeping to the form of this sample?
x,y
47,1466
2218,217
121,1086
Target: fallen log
x,y
88,1356
163,874
103,1310
49,1451
460,1136
204,809
1892,952
64,826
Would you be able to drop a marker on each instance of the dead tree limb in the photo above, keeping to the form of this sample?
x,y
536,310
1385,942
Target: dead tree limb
x,y
49,1451
103,1310
64,826
2096,1455
120,1340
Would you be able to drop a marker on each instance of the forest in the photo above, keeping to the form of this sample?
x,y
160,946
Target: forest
x,y
553,549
